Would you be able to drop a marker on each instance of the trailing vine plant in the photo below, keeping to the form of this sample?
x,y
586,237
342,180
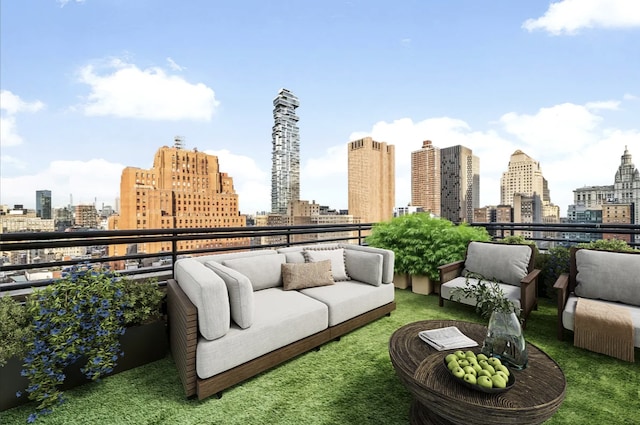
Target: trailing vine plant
x,y
79,316
488,295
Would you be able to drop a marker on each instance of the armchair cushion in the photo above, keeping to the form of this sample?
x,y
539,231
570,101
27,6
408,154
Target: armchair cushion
x,y
208,292
609,276
504,262
364,266
263,271
306,275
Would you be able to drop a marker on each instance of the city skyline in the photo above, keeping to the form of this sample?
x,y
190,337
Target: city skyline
x,y
80,101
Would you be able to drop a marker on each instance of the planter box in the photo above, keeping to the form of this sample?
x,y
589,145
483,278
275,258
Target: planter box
x,y
401,280
140,344
421,284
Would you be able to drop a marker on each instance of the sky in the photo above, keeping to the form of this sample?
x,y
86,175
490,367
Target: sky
x,y
90,87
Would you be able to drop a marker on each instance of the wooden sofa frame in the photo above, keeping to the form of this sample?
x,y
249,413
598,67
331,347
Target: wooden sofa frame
x,y
183,339
528,285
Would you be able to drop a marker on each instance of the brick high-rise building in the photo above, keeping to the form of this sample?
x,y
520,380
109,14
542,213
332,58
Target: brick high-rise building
x,y
425,178
85,216
184,189
372,187
524,176
285,154
459,183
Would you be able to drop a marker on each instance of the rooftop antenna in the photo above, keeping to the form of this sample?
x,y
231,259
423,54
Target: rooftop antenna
x,y
178,142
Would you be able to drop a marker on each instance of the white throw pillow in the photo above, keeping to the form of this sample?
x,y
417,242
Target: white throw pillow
x,y
336,255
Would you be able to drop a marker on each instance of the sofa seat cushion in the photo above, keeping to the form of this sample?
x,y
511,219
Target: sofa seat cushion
x,y
568,316
609,276
351,298
208,292
503,262
263,271
281,318
511,292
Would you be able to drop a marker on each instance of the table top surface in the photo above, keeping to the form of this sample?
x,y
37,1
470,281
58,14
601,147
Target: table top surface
x,y
538,392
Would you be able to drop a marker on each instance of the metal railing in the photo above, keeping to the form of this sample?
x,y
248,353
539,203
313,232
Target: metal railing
x,y
565,234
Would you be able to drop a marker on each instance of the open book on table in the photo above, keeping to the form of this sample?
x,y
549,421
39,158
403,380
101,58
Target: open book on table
x,y
449,338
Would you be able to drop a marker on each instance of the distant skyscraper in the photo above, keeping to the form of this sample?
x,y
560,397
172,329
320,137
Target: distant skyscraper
x,y
425,178
626,186
459,183
43,204
372,187
285,154
183,189
523,176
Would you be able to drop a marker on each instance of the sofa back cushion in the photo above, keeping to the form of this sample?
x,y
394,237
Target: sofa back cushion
x,y
504,262
208,292
337,257
240,291
388,259
364,266
263,271
610,276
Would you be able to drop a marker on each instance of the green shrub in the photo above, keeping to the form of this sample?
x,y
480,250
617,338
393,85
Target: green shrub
x,y
607,244
14,329
143,302
421,243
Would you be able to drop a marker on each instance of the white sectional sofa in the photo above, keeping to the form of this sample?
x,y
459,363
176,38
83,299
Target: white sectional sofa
x,y
234,315
611,278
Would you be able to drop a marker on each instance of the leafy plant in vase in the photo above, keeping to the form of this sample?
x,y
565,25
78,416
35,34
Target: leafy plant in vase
x,y
505,339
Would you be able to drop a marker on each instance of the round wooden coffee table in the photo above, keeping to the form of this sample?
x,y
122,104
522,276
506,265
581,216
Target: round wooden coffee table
x,y
537,394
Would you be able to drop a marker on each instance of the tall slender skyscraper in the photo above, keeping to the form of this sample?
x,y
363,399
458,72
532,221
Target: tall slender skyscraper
x,y
459,183
285,154
43,204
524,176
372,184
425,178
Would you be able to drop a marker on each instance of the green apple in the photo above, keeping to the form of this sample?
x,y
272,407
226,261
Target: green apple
x,y
484,381
463,362
504,375
470,378
458,372
450,357
498,381
483,362
494,361
482,357
472,360
477,367
483,372
503,368
470,354
460,354
452,364
489,368
469,370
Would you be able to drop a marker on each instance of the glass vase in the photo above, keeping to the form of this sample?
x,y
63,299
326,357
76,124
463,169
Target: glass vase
x,y
505,340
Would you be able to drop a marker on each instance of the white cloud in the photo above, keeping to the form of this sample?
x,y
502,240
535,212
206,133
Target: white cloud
x,y
63,3
629,96
10,105
9,161
612,105
173,65
252,184
126,91
569,16
88,181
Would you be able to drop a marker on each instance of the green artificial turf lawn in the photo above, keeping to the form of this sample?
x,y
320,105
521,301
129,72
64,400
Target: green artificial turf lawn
x,y
350,381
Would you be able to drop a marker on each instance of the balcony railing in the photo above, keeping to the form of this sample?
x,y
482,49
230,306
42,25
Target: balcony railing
x,y
546,235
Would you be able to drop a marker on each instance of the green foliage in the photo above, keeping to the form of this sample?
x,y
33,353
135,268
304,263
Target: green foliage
x,y
143,302
488,295
79,316
607,244
14,329
421,243
516,240
556,263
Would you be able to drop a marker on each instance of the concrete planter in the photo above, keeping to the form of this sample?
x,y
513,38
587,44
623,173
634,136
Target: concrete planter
x,y
421,284
141,345
401,280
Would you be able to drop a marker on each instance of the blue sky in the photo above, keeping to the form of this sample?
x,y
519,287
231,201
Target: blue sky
x,y
89,87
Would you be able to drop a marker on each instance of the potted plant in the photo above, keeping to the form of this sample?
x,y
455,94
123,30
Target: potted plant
x,y
14,330
423,243
505,338
89,324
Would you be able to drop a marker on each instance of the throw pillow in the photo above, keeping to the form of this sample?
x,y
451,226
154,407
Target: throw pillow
x,y
306,275
336,255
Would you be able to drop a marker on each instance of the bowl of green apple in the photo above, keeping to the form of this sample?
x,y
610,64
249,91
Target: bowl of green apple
x,y
479,372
